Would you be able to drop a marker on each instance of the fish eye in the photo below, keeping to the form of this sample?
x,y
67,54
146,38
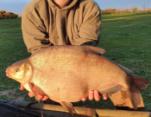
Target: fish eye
x,y
17,70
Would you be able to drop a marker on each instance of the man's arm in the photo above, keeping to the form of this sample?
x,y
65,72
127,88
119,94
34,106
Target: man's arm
x,y
89,35
34,31
92,43
89,30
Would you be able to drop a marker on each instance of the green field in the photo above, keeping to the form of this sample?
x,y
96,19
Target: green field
x,y
127,39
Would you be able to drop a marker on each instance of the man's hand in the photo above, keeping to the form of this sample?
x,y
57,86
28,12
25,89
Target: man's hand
x,y
39,95
95,95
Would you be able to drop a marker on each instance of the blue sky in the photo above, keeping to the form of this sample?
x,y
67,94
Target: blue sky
x,y
18,5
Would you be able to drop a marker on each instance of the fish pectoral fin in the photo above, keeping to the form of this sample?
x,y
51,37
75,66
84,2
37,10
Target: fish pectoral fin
x,y
27,86
69,107
112,89
120,98
130,98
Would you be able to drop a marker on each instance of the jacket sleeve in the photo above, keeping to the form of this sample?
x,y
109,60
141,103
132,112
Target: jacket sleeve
x,y
33,29
90,28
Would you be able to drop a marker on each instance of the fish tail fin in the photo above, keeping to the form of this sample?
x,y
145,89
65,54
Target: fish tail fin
x,y
136,80
139,82
136,97
130,97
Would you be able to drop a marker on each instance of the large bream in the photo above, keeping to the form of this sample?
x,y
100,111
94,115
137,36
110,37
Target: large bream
x,y
67,73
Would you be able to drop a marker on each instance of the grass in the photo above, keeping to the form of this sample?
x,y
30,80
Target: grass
x,y
125,37
11,49
127,40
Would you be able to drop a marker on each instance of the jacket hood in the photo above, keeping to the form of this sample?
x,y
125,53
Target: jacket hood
x,y
72,4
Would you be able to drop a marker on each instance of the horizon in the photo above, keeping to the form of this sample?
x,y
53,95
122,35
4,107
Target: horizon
x,y
18,6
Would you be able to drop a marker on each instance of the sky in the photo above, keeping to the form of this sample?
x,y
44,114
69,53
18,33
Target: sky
x,y
18,5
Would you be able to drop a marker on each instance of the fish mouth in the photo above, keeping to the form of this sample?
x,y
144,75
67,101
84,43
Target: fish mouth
x,y
7,72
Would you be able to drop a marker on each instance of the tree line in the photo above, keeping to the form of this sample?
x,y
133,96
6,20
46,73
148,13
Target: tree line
x,y
132,10
7,15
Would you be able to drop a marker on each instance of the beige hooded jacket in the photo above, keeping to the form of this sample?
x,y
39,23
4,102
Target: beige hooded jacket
x,y
45,24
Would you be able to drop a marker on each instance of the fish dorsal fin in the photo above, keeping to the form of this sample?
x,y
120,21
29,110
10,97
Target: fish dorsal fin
x,y
96,50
